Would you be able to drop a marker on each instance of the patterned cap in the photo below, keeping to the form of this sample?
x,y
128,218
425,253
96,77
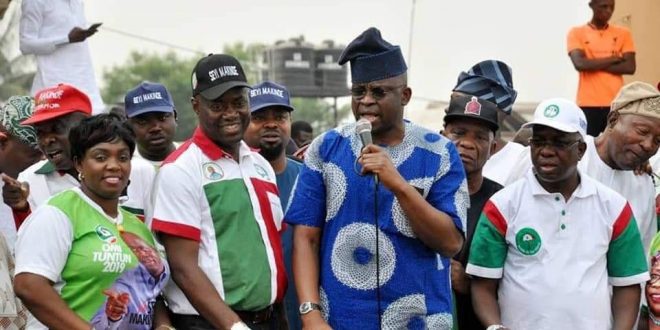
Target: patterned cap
x,y
489,80
638,98
17,109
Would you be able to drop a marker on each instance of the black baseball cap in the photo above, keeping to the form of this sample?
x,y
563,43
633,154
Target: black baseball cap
x,y
469,106
215,74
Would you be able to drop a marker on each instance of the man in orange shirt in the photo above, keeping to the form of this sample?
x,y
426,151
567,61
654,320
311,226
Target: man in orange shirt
x,y
602,53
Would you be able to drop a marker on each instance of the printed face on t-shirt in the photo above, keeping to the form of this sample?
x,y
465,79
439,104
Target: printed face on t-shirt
x,y
147,256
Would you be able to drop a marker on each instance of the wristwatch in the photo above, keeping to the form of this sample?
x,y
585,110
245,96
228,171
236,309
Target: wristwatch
x,y
307,307
496,327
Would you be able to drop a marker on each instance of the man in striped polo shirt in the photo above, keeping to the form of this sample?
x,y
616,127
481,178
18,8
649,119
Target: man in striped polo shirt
x,y
547,246
218,213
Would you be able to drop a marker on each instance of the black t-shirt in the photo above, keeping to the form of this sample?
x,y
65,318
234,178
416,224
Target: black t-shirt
x,y
477,202
465,312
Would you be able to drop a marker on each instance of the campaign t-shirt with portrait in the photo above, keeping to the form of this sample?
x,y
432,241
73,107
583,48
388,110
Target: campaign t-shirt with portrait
x,y
72,242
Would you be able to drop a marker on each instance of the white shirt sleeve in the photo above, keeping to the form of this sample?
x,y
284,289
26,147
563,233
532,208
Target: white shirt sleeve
x,y
43,243
177,206
30,40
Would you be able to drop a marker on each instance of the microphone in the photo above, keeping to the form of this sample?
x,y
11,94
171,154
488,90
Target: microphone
x,y
363,129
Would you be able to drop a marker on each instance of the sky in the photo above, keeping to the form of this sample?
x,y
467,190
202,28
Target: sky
x,y
447,36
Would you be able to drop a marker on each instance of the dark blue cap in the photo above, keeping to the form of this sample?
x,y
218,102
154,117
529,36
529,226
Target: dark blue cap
x,y
373,58
268,94
147,97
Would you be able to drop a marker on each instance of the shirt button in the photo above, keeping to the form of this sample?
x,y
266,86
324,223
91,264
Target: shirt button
x,y
557,198
563,212
563,226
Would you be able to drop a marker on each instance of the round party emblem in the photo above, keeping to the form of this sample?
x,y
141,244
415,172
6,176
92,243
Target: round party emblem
x,y
528,241
105,235
551,111
213,171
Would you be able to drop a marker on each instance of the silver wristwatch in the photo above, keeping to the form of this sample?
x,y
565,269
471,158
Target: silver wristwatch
x,y
307,307
496,327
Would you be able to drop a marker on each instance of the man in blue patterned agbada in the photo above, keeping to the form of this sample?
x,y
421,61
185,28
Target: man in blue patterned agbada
x,y
375,225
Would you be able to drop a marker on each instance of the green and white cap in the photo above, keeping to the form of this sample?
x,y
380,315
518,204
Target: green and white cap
x,y
16,110
560,114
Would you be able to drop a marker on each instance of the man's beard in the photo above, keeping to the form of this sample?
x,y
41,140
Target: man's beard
x,y
271,152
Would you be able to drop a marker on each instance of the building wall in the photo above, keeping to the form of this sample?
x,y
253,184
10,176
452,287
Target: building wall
x,y
641,16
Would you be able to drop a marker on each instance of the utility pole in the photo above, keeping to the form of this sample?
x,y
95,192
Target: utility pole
x,y
410,37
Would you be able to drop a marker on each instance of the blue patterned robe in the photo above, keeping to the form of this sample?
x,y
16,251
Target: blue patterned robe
x,y
330,194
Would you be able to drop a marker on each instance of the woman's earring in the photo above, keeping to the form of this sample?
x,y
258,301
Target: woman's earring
x,y
81,177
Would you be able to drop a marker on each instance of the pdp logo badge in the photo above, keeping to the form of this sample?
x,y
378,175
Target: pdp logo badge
x,y
105,235
528,241
551,111
212,171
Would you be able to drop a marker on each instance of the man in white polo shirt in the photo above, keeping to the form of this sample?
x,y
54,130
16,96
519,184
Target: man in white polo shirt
x,y
218,213
547,246
631,137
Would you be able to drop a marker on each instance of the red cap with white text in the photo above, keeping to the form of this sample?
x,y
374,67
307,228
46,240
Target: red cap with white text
x,y
58,101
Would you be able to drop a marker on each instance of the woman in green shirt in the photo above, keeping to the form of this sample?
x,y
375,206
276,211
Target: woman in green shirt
x,y
71,254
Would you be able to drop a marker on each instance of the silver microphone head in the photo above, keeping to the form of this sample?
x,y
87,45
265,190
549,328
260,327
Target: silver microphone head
x,y
363,125
363,129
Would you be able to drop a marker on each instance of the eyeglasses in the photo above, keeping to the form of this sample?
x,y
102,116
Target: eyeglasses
x,y
377,92
555,144
654,279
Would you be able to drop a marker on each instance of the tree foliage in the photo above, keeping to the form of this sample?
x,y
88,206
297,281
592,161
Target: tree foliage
x,y
175,71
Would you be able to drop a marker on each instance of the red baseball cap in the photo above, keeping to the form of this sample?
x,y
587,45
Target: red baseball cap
x,y
58,101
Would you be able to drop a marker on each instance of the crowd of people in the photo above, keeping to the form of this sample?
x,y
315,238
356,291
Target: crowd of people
x,y
107,223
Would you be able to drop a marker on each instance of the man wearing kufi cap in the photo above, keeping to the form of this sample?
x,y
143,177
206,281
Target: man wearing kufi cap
x,y
18,150
376,225
492,81
19,142
58,109
631,138
557,249
480,97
